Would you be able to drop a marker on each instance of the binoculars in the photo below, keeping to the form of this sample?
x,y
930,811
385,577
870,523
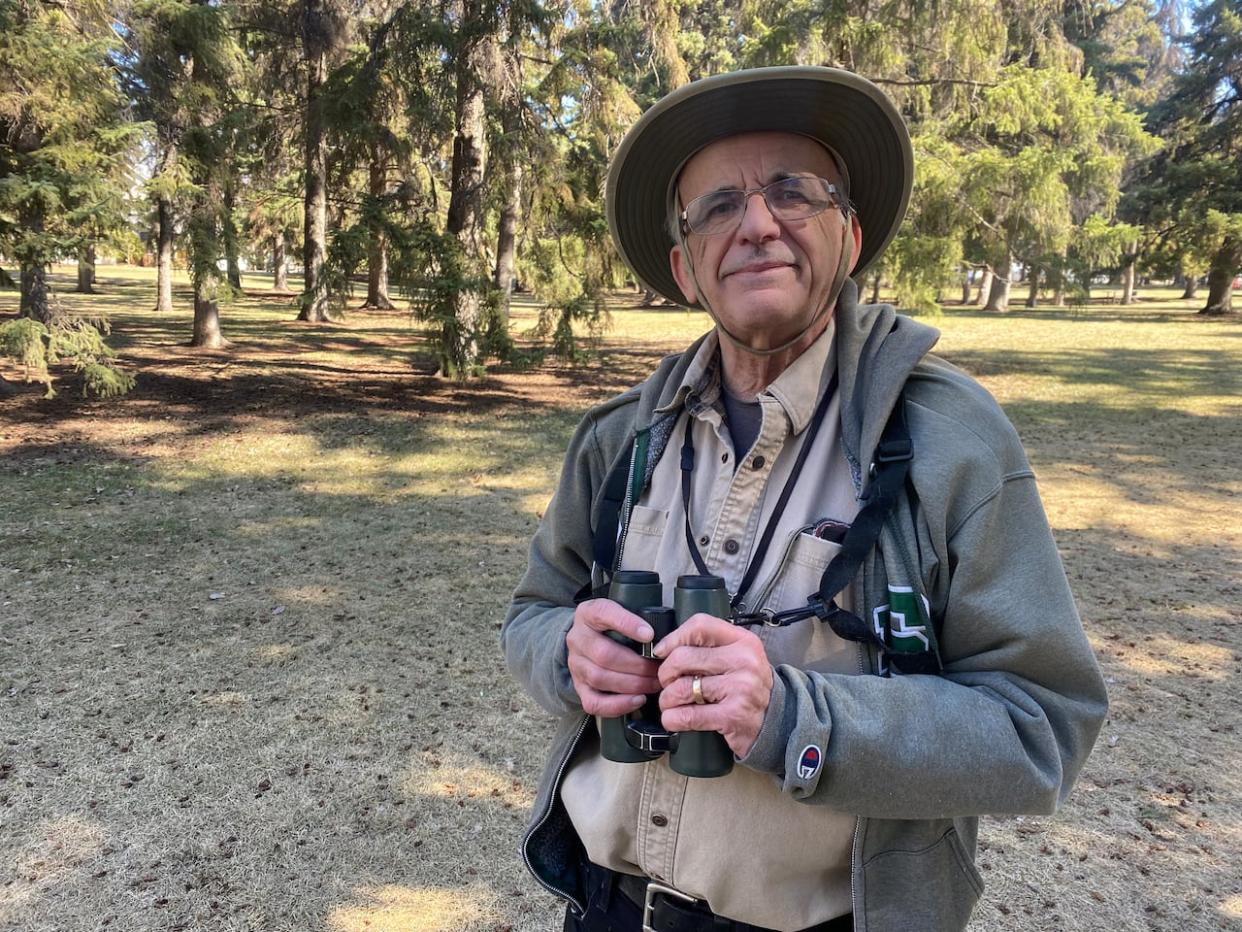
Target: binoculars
x,y
639,737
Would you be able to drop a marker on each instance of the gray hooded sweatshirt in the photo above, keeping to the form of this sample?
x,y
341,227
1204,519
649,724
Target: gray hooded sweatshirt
x,y
1004,728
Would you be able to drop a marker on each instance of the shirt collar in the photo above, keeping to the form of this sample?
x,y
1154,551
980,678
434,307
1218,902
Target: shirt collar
x,y
797,390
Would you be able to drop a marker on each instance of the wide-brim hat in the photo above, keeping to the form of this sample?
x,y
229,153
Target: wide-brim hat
x,y
845,112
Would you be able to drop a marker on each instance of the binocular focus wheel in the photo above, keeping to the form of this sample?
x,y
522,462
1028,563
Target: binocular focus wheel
x,y
648,736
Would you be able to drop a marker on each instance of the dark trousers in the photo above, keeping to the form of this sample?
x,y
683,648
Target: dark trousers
x,y
610,910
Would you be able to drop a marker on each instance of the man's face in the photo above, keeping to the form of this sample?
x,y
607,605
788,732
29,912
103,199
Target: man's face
x,y
766,279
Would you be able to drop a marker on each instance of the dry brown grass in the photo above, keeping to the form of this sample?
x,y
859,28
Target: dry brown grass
x,y
248,666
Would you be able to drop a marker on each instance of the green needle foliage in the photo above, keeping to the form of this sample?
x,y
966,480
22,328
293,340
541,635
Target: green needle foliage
x,y
76,340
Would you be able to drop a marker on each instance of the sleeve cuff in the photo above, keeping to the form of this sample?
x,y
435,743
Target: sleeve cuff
x,y
793,741
767,754
560,664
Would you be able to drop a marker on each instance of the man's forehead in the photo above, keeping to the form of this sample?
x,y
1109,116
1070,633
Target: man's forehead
x,y
765,156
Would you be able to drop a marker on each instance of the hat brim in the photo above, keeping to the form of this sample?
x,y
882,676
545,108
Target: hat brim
x,y
845,112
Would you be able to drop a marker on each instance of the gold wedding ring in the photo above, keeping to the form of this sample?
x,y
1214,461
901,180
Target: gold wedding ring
x,y
696,690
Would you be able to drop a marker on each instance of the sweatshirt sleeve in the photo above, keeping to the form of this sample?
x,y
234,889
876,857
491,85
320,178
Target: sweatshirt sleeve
x,y
541,613
1004,729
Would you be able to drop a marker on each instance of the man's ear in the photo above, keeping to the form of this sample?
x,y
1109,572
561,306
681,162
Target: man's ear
x,y
680,264
856,231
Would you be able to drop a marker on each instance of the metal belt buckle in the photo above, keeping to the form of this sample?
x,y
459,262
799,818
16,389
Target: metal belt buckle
x,y
649,902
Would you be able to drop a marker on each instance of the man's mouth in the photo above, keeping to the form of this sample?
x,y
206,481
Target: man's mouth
x,y
754,268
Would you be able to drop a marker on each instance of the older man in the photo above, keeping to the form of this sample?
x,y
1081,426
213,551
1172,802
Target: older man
x,y
901,652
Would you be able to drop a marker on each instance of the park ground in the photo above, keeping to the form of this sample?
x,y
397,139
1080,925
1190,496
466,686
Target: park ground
x,y
249,665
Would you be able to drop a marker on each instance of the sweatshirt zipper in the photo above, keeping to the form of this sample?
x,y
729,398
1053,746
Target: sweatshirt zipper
x,y
556,783
627,509
855,845
855,859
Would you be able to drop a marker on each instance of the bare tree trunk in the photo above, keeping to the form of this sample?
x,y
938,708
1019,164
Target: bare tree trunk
x,y
966,289
280,264
1192,288
1224,268
207,333
875,288
86,269
164,228
998,294
164,256
506,238
377,245
985,286
1032,297
459,337
511,157
34,300
1128,276
229,229
315,40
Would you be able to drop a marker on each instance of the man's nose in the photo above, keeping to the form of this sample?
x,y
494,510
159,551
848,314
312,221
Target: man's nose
x,y
758,222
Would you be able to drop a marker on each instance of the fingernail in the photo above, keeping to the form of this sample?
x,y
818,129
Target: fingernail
x,y
645,632
658,652
636,701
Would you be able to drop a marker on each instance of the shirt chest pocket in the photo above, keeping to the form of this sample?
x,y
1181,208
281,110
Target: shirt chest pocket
x,y
643,538
808,644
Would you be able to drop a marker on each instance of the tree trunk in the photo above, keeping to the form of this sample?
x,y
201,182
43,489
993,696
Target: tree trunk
x,y
229,229
875,288
1032,296
207,334
164,256
1128,276
280,264
315,40
1224,268
459,352
506,237
506,234
985,286
966,289
1192,288
34,300
998,294
164,232
86,269
377,245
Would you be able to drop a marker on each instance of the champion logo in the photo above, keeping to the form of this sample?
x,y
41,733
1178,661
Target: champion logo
x,y
809,761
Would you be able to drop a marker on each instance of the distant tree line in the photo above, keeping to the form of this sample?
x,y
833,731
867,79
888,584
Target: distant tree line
x,y
456,149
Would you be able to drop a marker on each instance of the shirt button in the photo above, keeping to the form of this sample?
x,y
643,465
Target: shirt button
x,y
659,820
757,462
731,547
704,540
724,457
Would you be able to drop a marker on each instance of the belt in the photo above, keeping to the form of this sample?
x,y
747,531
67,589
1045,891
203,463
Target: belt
x,y
666,909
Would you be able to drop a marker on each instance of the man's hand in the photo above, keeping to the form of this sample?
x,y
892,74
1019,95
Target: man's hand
x,y
735,680
610,679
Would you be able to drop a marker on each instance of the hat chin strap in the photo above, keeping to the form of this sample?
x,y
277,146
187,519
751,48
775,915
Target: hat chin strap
x,y
838,282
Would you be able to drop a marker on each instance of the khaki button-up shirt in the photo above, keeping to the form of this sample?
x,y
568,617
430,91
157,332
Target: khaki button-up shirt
x,y
754,854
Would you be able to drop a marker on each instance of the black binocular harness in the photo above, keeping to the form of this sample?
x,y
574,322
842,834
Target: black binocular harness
x,y
889,471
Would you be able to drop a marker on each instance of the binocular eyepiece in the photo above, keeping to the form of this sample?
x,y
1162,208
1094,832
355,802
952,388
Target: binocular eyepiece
x,y
639,736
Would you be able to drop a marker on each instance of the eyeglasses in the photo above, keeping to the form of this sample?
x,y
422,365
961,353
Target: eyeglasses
x,y
788,199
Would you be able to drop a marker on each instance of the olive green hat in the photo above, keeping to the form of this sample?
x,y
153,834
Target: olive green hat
x,y
845,112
